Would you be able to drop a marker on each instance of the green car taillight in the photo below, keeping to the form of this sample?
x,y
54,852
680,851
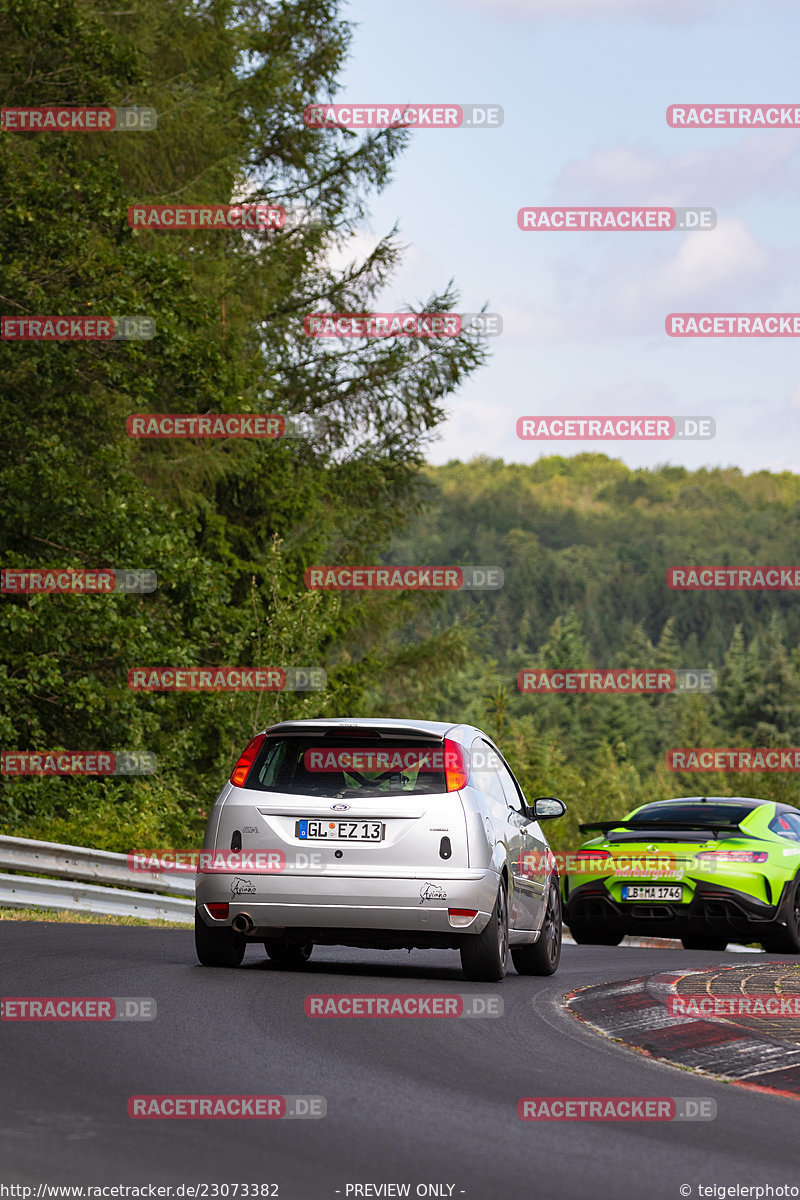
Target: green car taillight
x,y
735,856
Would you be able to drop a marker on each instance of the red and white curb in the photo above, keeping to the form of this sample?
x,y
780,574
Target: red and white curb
x,y
634,1012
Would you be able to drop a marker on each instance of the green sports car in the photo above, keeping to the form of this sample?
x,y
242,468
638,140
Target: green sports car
x,y
706,869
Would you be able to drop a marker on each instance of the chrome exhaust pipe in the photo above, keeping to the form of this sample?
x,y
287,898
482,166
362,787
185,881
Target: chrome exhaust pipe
x,y
243,923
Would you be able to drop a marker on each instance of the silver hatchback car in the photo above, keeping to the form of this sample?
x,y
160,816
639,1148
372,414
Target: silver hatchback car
x,y
383,834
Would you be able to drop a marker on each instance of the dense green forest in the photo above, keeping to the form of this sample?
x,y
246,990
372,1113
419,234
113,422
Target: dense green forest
x,y
585,544
230,525
227,525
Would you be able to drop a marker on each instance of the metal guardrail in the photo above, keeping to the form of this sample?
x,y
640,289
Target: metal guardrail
x,y
79,871
95,866
20,891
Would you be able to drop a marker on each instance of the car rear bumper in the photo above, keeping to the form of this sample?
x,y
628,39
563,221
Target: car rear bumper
x,y
291,901
713,909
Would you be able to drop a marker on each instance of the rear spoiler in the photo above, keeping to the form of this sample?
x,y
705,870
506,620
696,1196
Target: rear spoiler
x,y
358,732
716,828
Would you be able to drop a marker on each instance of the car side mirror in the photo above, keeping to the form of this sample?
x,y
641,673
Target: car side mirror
x,y
547,808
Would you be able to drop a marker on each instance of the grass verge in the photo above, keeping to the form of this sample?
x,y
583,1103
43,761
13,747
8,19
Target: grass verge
x,y
79,918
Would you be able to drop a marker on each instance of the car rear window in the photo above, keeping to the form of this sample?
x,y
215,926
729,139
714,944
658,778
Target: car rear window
x,y
698,810
347,766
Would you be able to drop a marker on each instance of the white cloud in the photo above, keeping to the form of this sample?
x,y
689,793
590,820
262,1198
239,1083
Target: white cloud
x,y
752,165
522,324
717,270
662,10
353,250
724,270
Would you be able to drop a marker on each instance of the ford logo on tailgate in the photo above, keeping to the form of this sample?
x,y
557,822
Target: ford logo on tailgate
x,y
340,807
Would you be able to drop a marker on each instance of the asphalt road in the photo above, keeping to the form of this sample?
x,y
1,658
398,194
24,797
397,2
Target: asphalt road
x,y
410,1101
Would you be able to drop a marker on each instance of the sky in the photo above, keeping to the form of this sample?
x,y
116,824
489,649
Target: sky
x,y
584,86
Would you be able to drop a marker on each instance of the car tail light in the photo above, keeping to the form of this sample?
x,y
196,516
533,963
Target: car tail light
x,y
218,911
456,768
586,862
748,856
461,917
246,760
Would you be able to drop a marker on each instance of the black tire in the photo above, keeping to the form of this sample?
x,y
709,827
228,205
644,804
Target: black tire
x,y
586,935
222,947
484,956
785,939
704,941
542,957
292,955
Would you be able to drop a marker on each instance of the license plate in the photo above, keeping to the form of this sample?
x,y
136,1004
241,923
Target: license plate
x,y
647,892
340,831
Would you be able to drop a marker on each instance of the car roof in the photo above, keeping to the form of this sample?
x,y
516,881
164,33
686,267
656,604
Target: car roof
x,y
401,726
